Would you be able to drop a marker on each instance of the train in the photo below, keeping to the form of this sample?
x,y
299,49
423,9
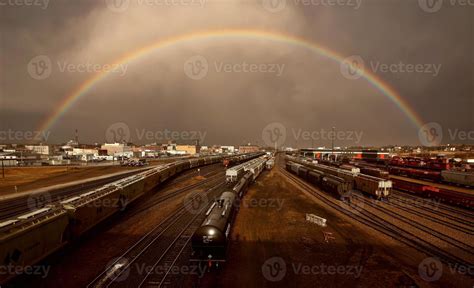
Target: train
x,y
233,174
210,241
237,159
29,238
437,164
375,187
445,195
436,169
333,184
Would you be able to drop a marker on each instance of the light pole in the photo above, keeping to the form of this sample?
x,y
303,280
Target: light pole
x,y
332,141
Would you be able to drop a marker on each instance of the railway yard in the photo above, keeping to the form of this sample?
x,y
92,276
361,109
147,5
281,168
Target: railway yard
x,y
256,220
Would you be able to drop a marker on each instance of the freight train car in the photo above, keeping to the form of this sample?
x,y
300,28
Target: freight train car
x,y
210,240
375,187
442,194
330,183
458,177
29,238
416,173
87,210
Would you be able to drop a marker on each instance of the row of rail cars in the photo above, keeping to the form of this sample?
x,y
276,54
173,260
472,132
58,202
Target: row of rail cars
x,y
448,194
233,174
376,187
26,239
433,169
234,160
209,242
436,170
462,178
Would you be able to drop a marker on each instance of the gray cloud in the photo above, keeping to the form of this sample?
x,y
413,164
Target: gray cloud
x,y
311,94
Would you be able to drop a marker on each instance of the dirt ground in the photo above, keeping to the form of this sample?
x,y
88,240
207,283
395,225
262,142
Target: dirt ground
x,y
274,246
28,178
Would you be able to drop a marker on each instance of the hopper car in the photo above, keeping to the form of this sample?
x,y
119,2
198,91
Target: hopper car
x,y
376,187
333,184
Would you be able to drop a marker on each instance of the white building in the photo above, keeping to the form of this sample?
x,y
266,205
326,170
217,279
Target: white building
x,y
38,149
117,149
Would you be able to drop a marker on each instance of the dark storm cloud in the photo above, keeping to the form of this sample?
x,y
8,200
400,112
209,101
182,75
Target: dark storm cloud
x,y
232,108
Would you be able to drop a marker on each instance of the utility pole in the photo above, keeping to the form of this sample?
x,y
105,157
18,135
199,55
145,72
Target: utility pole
x,y
332,140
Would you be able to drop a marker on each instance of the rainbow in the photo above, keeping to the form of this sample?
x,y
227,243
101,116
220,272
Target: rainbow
x,y
87,85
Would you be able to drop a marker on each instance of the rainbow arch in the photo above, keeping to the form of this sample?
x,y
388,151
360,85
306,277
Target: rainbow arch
x,y
87,85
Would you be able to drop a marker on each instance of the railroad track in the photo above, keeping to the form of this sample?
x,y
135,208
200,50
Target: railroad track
x,y
160,247
436,206
21,205
451,225
173,193
448,239
379,224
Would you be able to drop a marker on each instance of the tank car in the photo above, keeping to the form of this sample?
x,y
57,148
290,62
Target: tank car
x,y
209,242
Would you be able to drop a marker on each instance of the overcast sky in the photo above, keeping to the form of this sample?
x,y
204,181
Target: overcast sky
x,y
292,87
